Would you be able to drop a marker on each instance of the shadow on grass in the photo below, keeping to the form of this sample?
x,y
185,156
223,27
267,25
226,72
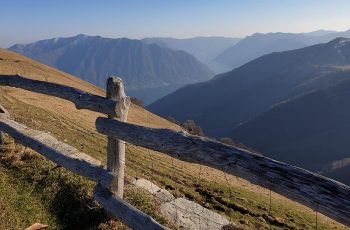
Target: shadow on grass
x,y
67,197
74,209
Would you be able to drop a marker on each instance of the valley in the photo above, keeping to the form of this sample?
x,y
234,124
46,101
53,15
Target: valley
x,y
145,67
231,102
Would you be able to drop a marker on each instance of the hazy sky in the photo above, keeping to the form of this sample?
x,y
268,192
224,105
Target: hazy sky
x,y
24,21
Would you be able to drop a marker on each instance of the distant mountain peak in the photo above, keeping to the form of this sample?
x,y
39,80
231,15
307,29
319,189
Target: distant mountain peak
x,y
339,40
259,44
81,36
339,44
321,32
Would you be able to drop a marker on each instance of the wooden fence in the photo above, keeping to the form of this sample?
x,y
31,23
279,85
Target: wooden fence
x,y
315,191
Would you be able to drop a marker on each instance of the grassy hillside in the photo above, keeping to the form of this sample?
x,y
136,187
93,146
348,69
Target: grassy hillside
x,y
46,190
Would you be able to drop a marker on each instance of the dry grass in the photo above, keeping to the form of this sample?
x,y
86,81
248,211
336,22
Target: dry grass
x,y
13,63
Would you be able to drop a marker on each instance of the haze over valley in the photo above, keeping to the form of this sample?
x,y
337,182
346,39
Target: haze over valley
x,y
149,71
267,70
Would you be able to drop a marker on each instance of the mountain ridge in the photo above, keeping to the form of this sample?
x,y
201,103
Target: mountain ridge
x,y
94,58
254,87
205,49
254,105
304,130
259,44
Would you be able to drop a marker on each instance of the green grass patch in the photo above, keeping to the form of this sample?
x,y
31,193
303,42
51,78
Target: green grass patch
x,y
20,207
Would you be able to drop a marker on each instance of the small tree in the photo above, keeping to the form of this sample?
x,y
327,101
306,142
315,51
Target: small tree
x,y
193,128
227,140
188,125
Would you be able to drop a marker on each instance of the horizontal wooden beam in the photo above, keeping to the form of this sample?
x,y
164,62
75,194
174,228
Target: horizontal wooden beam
x,y
82,100
123,211
83,165
315,191
58,152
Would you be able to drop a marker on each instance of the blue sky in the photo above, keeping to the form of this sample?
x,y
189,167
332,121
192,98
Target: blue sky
x,y
24,21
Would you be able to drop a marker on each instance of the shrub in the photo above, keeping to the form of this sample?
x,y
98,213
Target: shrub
x,y
188,125
137,101
227,140
193,128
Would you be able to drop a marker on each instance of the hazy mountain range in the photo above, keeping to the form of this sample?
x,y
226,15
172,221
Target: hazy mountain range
x,y
155,67
222,54
205,49
149,70
283,104
251,102
256,45
236,96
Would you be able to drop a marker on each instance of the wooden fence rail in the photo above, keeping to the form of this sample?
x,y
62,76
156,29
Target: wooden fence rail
x,y
58,152
110,181
315,191
329,196
82,100
83,165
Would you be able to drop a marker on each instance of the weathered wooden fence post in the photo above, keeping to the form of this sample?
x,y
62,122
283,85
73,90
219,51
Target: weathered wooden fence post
x,y
2,140
3,112
116,147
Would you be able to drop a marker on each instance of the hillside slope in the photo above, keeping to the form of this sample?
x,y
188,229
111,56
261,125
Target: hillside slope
x,y
12,63
65,194
310,131
145,67
232,98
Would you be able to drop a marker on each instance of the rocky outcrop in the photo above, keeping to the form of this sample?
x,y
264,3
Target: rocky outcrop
x,y
184,213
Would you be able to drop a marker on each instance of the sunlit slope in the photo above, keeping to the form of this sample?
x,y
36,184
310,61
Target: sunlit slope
x,y
12,63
